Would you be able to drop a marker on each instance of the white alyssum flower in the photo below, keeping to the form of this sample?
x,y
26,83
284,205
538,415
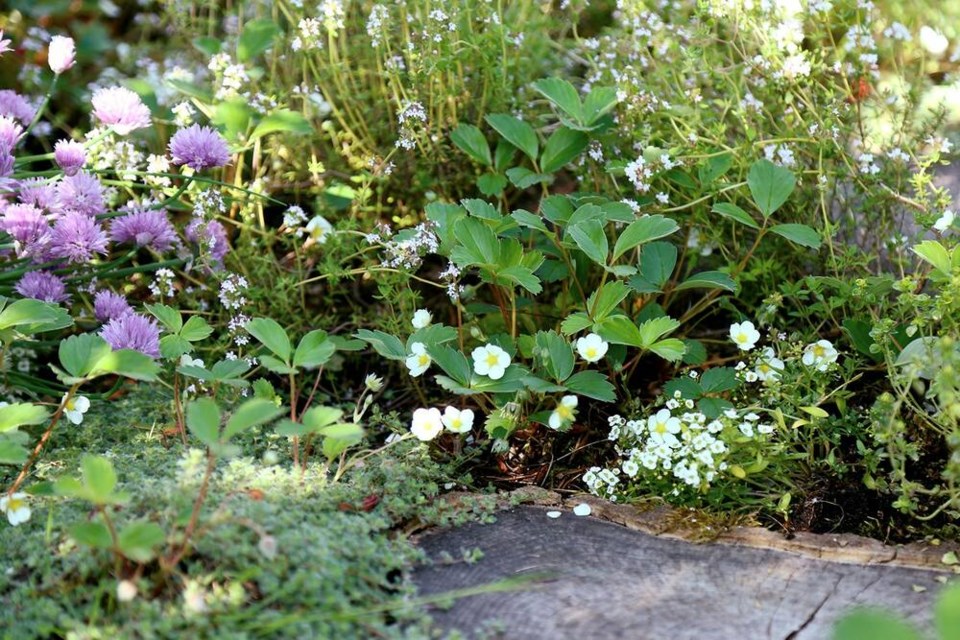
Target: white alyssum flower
x,y
564,413
945,221
491,361
744,335
421,319
75,407
319,229
592,347
16,507
426,424
769,365
820,355
458,421
419,360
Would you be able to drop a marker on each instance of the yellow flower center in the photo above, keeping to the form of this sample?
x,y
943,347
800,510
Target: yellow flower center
x,y
764,368
565,412
71,405
819,351
492,360
742,337
660,427
15,504
456,423
591,352
423,359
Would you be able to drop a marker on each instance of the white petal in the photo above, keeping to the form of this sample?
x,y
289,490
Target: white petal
x,y
582,509
553,514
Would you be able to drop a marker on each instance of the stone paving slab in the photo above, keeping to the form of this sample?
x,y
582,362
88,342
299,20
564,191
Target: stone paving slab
x,y
598,581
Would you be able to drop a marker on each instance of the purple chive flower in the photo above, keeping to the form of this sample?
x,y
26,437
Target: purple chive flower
x,y
108,305
148,228
70,156
121,109
40,192
28,227
61,54
10,133
199,148
133,331
16,106
77,237
42,286
82,193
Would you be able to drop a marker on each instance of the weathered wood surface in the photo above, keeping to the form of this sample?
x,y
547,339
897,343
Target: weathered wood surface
x,y
608,581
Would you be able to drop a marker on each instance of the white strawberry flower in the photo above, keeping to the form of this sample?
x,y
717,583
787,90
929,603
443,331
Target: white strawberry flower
x,y
592,347
820,355
491,361
426,424
421,319
564,413
744,335
769,366
419,360
16,508
319,229
458,421
75,407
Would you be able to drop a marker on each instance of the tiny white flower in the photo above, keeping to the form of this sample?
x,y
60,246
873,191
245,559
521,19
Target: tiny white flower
x,y
75,407
564,413
419,360
373,382
819,355
16,508
421,319
592,347
945,221
458,421
319,228
126,590
491,361
427,424
744,335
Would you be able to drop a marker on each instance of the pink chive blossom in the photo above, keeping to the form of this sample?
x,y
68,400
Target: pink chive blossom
x,y
14,105
133,331
82,193
199,148
29,229
10,133
76,238
42,286
148,228
4,44
70,156
40,192
61,54
108,305
121,109
210,236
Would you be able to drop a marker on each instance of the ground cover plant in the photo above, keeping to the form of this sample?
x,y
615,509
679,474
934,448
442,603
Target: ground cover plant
x,y
275,272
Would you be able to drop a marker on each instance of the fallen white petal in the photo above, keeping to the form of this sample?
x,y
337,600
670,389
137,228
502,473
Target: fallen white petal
x,y
553,514
582,509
